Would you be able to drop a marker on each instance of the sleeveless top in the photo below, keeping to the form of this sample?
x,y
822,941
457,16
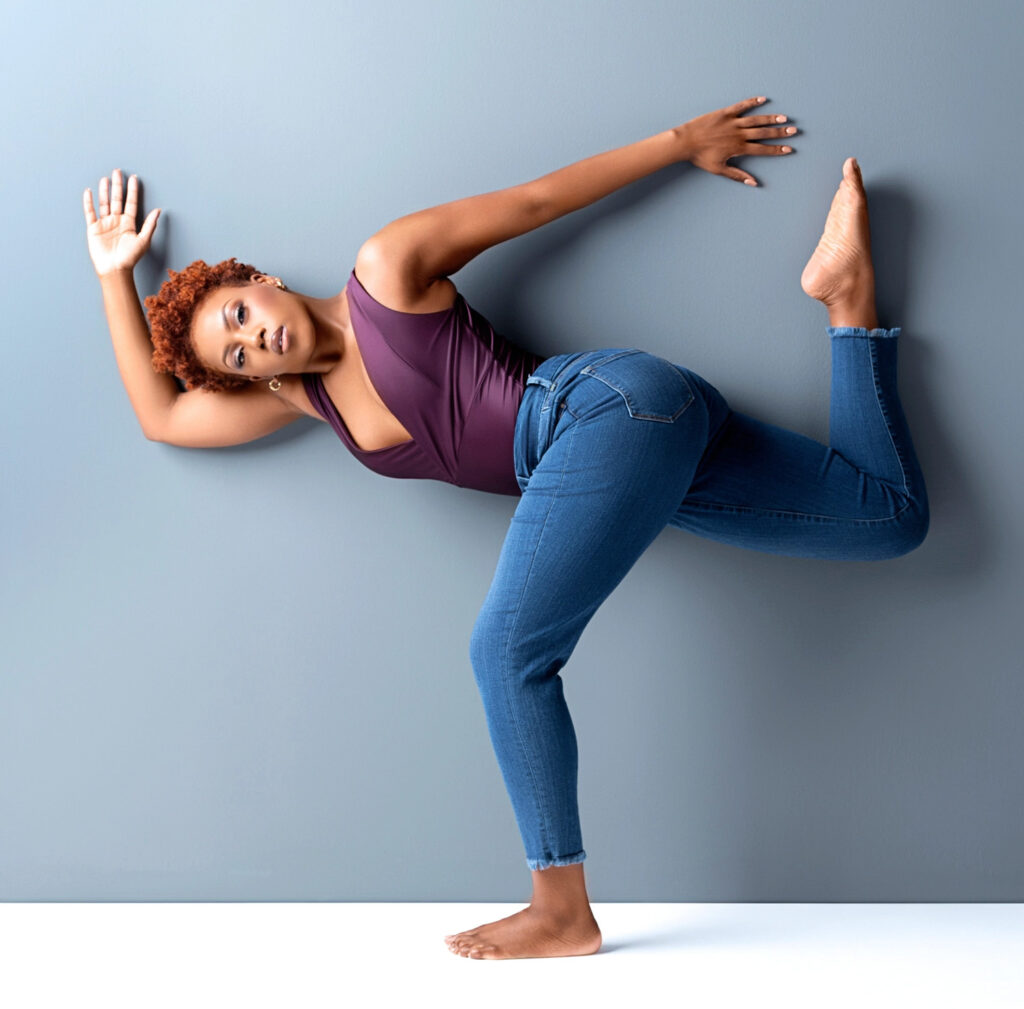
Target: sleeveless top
x,y
453,382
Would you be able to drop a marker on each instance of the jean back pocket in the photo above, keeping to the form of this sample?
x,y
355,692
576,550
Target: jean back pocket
x,y
653,388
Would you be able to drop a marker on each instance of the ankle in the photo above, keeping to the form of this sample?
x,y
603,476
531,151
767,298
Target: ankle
x,y
858,313
564,914
560,890
853,320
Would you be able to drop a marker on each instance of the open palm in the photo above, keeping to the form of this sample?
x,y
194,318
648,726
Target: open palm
x,y
114,244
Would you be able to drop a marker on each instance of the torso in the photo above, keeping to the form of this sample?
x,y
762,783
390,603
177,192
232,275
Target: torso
x,y
372,425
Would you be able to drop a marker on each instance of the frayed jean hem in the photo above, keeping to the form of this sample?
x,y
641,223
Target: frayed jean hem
x,y
546,863
861,331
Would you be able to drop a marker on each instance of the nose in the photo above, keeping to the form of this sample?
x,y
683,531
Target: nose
x,y
256,337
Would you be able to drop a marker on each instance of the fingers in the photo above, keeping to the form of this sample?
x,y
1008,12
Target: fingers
x,y
110,203
758,128
149,226
115,200
731,172
739,175
132,205
90,212
767,149
762,120
768,132
747,103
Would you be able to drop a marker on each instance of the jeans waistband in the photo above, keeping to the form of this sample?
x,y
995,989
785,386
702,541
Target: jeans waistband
x,y
557,370
550,370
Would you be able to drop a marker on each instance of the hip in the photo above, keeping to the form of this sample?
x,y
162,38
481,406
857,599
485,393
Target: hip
x,y
607,387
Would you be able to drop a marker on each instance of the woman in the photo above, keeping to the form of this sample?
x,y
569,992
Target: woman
x,y
605,447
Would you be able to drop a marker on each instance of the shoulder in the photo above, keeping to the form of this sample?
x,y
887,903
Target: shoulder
x,y
390,276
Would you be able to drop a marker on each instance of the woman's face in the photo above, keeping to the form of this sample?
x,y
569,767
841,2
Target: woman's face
x,y
233,326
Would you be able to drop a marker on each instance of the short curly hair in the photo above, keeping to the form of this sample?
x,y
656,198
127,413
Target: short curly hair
x,y
171,311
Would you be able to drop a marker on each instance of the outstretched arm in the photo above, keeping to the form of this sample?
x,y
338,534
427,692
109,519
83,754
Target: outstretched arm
x,y
115,247
439,241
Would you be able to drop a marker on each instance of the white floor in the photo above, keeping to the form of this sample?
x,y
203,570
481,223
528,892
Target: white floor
x,y
147,956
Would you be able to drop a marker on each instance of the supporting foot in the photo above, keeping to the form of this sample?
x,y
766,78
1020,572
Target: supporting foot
x,y
558,922
529,933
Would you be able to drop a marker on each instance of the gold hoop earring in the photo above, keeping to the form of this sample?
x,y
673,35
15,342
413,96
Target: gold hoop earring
x,y
277,387
277,280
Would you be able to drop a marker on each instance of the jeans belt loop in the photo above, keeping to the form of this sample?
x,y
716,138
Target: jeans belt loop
x,y
553,384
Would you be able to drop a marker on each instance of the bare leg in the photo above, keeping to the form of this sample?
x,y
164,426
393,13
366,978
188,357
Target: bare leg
x,y
840,273
557,922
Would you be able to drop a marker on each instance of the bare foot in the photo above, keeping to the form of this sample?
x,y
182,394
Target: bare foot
x,y
529,933
840,271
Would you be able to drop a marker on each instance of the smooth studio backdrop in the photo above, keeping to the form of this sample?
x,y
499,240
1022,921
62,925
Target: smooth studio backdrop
x,y
243,674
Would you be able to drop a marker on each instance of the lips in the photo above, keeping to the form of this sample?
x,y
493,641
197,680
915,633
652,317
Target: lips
x,y
277,340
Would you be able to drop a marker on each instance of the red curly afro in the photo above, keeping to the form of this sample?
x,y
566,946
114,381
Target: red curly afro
x,y
170,313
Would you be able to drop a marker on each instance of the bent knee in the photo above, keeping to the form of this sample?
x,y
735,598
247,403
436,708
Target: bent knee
x,y
913,529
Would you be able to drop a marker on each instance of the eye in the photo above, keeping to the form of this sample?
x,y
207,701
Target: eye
x,y
240,353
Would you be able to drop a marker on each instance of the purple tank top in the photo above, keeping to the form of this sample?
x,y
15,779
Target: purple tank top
x,y
453,382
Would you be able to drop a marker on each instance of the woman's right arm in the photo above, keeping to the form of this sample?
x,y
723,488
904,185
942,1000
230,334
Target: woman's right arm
x,y
194,419
152,394
115,247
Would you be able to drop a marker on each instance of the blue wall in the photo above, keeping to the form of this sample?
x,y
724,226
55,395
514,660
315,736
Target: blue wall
x,y
243,674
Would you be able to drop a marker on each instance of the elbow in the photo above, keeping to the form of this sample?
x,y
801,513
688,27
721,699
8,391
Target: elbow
x,y
542,208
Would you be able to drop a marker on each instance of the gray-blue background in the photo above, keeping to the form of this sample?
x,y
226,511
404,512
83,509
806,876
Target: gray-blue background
x,y
243,674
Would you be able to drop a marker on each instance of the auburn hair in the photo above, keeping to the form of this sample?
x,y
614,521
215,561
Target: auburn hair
x,y
171,311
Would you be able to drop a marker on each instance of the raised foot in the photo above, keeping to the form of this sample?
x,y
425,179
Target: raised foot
x,y
528,933
840,271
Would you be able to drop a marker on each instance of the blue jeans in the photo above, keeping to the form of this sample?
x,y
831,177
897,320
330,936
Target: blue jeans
x,y
612,446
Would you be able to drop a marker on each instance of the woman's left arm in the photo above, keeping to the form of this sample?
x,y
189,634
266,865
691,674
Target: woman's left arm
x,y
439,241
708,142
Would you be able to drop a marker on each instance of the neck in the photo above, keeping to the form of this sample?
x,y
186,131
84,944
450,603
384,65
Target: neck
x,y
333,332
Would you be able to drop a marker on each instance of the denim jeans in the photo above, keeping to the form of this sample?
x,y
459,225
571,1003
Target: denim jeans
x,y
612,446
